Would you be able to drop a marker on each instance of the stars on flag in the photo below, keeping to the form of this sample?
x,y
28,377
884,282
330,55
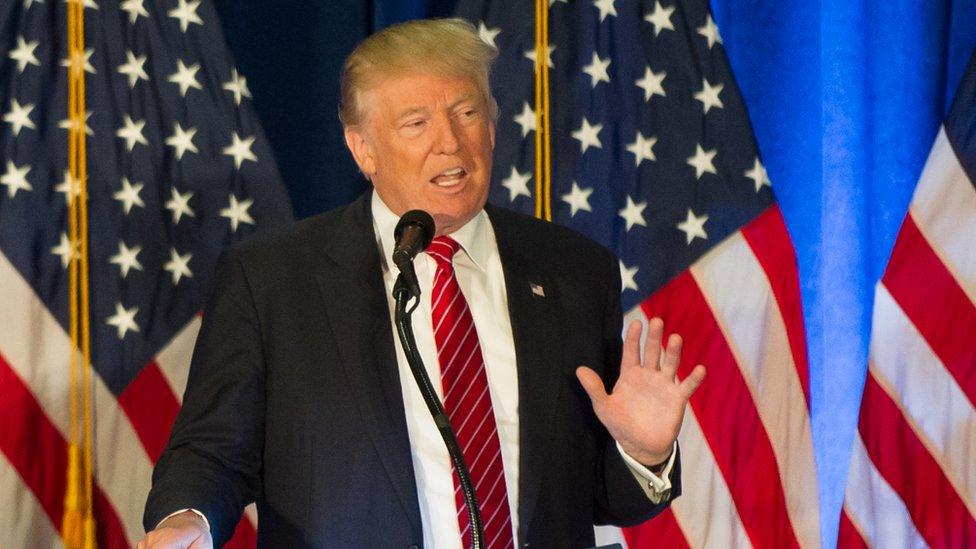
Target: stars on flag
x,y
660,18
179,204
578,199
124,320
642,148
69,186
597,70
487,34
588,135
693,226
627,277
132,133
72,124
758,175
78,61
710,31
126,259
15,178
526,120
702,161
161,103
652,83
633,213
237,85
135,9
133,68
709,96
65,251
606,8
128,196
517,184
19,117
530,55
182,140
237,212
240,150
186,13
185,77
635,110
87,4
23,54
178,265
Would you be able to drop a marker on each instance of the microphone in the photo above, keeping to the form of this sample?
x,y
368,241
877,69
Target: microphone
x,y
412,235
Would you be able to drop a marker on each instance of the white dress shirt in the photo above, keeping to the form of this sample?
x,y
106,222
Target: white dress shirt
x,y
479,273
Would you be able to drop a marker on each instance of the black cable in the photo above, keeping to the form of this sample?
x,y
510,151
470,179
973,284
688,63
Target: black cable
x,y
402,295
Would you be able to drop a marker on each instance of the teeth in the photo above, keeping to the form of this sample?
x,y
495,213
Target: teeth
x,y
449,178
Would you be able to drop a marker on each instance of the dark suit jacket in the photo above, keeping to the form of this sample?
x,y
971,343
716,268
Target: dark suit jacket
x,y
294,397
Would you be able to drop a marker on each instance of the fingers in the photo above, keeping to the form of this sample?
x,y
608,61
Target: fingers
x,y
631,352
691,383
592,384
672,356
652,343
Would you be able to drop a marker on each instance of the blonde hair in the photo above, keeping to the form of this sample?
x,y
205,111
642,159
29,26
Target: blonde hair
x,y
445,47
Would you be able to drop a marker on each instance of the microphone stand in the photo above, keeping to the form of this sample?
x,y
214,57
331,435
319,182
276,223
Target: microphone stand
x,y
402,294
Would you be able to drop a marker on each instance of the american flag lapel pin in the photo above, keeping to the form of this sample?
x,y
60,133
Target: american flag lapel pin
x,y
537,289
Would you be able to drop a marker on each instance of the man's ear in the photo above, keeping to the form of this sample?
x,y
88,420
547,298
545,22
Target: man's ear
x,y
361,150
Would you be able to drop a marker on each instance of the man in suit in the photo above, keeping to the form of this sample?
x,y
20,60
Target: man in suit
x,y
299,396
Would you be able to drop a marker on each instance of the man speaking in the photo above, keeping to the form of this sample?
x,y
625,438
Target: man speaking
x,y
300,397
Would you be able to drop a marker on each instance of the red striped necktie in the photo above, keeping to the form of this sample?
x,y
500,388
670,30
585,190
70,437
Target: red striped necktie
x,y
467,400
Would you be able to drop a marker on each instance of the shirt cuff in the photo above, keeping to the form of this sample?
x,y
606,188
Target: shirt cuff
x,y
194,511
656,487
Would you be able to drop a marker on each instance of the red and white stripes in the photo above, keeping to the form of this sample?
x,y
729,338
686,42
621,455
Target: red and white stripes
x,y
130,432
912,480
746,445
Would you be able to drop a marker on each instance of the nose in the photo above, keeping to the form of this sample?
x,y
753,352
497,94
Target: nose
x,y
447,140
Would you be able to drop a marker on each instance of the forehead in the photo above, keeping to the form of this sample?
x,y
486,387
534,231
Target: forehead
x,y
395,94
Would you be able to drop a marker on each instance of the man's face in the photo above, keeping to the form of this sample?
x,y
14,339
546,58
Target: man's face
x,y
425,143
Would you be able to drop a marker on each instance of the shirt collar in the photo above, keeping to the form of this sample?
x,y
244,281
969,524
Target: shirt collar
x,y
472,236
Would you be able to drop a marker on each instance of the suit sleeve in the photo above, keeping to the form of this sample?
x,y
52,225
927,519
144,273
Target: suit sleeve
x,y
212,462
620,499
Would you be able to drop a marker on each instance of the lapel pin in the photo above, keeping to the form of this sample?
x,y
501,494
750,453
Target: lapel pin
x,y
537,289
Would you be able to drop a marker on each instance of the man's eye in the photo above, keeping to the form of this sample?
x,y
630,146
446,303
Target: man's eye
x,y
415,124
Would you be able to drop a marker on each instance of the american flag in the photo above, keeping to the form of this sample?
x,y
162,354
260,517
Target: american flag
x,y
912,481
654,157
178,169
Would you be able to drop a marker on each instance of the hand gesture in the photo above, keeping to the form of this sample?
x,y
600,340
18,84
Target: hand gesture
x,y
644,410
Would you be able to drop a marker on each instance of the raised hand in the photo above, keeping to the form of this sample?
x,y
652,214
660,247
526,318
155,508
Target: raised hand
x,y
644,410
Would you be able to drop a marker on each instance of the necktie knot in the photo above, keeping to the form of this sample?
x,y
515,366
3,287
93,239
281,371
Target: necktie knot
x,y
442,249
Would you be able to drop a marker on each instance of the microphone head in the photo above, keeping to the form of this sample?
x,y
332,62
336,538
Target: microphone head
x,y
418,218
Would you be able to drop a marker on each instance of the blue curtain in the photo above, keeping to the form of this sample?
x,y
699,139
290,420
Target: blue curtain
x,y
845,97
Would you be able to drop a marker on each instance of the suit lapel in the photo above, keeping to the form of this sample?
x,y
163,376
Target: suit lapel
x,y
535,328
350,278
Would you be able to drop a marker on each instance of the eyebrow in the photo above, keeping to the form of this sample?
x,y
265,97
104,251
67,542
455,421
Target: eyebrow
x,y
424,110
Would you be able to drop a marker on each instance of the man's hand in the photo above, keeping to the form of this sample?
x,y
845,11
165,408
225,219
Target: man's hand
x,y
643,412
183,530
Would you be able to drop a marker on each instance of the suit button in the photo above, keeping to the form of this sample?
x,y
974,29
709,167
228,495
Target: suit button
x,y
414,546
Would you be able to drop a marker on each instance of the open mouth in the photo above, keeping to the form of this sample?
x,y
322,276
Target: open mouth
x,y
449,178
